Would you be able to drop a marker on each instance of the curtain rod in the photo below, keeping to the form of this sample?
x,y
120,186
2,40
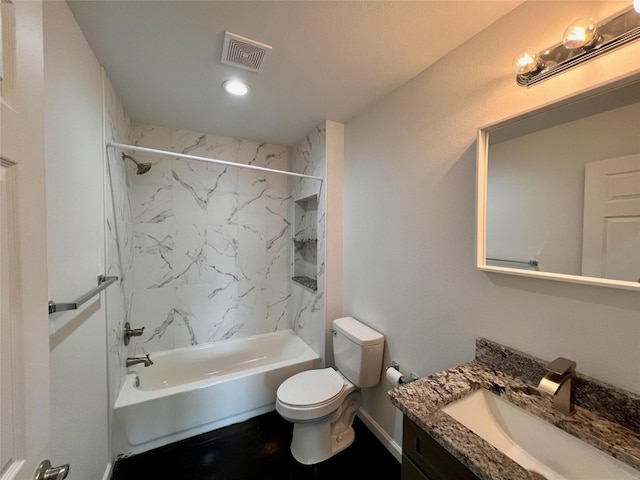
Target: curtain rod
x,y
210,160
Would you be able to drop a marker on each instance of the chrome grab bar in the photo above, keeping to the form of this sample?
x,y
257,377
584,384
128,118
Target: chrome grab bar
x,y
103,282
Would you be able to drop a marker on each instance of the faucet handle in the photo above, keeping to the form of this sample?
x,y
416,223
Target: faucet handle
x,y
561,366
131,332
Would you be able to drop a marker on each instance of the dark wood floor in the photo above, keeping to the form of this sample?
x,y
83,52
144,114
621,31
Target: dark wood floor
x,y
257,449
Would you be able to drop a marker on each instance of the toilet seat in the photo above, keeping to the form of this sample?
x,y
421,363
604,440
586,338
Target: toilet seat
x,y
311,387
312,394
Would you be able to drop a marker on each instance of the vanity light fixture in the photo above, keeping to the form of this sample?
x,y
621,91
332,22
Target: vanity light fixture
x,y
582,41
236,87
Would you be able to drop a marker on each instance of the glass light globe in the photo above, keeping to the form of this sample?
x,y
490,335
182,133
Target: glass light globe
x,y
581,33
526,62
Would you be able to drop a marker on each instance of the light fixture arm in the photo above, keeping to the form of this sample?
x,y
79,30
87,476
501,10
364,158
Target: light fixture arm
x,y
614,32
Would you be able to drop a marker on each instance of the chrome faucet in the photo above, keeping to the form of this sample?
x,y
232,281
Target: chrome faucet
x,y
135,360
558,382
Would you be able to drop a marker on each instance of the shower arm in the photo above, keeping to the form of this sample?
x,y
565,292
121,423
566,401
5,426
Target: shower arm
x,y
135,148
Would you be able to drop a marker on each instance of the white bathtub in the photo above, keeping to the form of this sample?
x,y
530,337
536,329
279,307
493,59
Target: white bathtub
x,y
192,390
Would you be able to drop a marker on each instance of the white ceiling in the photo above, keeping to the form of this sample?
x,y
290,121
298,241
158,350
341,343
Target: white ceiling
x,y
330,59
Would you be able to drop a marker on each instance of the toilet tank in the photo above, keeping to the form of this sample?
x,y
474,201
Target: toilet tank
x,y
357,351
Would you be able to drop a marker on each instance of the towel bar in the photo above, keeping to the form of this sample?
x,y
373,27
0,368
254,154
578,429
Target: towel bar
x,y
531,263
103,282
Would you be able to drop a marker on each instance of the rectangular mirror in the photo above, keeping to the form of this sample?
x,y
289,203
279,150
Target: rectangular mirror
x,y
559,190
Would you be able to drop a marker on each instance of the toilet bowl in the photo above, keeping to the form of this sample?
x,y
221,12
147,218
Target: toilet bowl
x,y
312,394
322,403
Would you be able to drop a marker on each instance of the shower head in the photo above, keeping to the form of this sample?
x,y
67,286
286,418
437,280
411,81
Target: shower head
x,y
141,167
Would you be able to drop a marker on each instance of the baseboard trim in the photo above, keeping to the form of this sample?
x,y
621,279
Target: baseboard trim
x,y
107,472
389,443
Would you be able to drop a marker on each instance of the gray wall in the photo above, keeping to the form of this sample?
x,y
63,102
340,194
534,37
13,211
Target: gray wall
x,y
409,219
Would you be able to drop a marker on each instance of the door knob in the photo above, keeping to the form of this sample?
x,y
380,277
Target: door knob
x,y
46,472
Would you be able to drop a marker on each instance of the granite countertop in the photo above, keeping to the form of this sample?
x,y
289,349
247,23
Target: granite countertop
x,y
606,417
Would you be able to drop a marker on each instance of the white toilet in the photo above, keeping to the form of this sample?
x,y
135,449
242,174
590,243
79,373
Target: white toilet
x,y
322,403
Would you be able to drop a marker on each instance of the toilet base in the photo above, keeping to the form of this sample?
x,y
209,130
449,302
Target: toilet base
x,y
314,442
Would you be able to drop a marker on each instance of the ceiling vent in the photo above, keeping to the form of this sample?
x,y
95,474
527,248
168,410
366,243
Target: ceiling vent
x,y
244,53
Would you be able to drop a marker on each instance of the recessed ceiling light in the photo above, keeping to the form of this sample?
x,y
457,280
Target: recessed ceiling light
x,y
236,87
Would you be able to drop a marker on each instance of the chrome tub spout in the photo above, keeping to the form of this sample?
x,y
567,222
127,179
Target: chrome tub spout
x,y
135,360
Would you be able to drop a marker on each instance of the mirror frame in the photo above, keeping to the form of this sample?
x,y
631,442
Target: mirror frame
x,y
482,159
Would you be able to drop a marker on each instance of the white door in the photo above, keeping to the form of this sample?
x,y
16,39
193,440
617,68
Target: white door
x,y
24,331
611,229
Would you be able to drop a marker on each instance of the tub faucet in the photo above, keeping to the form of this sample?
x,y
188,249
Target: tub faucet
x,y
558,381
135,360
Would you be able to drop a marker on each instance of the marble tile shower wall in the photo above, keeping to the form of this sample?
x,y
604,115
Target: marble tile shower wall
x,y
212,245
307,306
119,242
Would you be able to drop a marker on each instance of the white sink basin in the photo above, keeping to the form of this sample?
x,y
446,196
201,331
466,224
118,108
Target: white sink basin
x,y
533,443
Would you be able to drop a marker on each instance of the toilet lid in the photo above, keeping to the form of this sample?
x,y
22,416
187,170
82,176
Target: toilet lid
x,y
311,387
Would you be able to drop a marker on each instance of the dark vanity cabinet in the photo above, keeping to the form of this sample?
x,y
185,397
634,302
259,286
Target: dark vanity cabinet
x,y
424,459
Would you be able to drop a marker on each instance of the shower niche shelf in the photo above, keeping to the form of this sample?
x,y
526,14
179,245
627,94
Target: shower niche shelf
x,y
305,241
310,283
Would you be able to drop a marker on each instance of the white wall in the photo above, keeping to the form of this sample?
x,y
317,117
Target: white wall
x,y
320,153
409,219
307,307
75,238
211,244
333,235
118,242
